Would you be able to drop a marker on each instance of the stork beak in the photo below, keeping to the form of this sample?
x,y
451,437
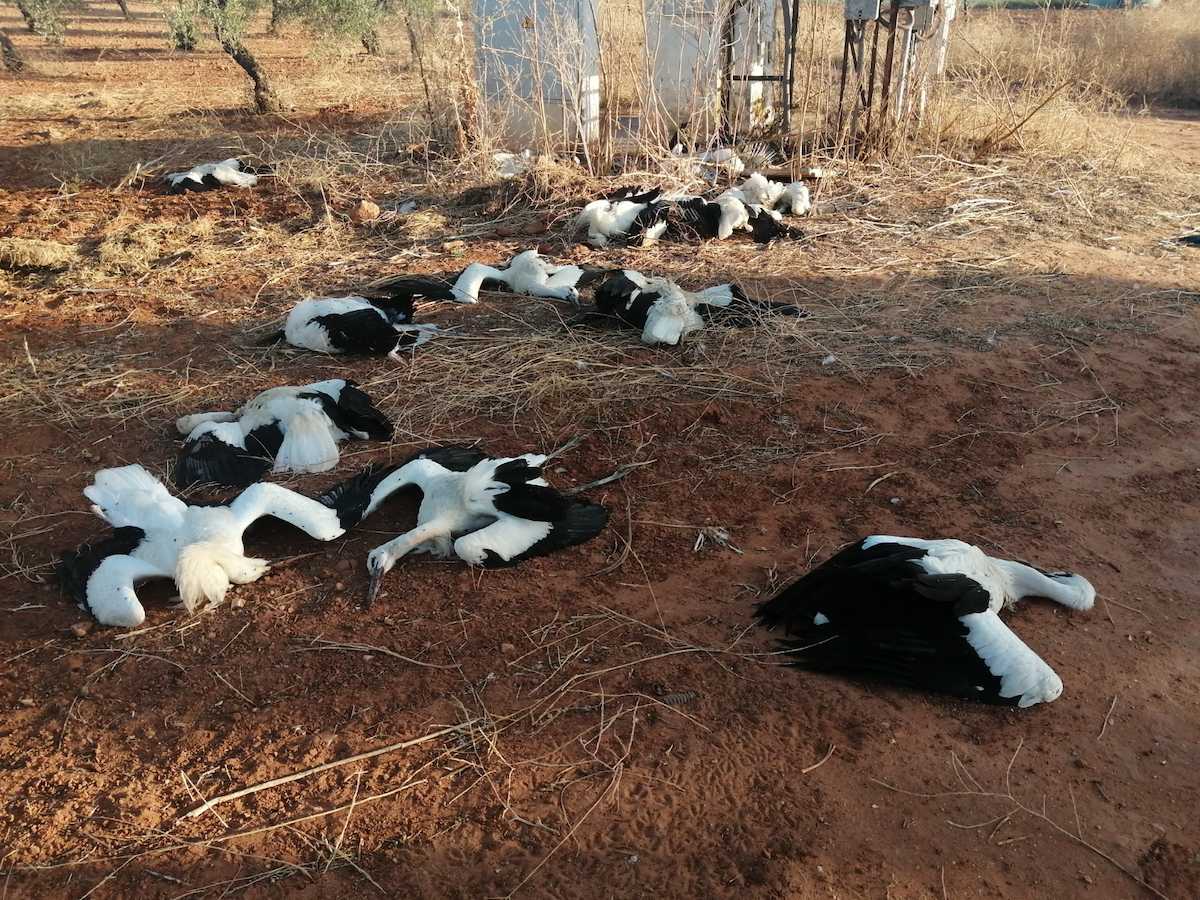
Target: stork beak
x,y
377,574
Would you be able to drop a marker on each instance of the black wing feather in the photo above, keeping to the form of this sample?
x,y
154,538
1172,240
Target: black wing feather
x,y
581,522
209,460
612,299
411,287
359,331
455,457
353,412
350,498
885,619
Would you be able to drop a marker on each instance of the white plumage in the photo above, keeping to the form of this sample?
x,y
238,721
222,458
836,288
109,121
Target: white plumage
x,y
157,535
774,196
667,313
923,613
207,176
283,429
486,511
526,273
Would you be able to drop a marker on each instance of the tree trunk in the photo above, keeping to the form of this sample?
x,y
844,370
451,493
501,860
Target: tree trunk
x,y
124,8
276,17
265,98
371,42
30,22
10,59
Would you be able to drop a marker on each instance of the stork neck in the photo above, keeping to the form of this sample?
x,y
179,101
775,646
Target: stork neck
x,y
1026,581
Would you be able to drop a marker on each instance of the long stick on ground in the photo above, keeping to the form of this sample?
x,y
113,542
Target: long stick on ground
x,y
296,776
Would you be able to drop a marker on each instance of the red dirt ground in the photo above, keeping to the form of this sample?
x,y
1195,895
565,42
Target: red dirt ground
x,y
652,749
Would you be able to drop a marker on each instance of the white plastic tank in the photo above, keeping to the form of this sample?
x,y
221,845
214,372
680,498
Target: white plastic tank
x,y
684,49
538,64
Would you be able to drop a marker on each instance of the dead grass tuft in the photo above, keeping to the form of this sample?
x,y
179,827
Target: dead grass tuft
x,y
138,249
32,253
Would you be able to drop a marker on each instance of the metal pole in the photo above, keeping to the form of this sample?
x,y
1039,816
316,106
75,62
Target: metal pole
x,y
906,52
889,62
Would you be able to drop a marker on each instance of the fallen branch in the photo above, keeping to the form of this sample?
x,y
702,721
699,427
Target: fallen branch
x,y
824,759
296,776
371,648
607,479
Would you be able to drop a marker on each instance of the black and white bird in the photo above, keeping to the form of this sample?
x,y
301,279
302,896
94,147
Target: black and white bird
x,y
923,614
156,535
490,512
368,326
284,429
622,218
759,191
652,216
209,176
666,313
526,273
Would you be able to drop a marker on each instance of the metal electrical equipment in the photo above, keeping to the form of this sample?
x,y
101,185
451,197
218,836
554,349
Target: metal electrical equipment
x,y
906,25
862,10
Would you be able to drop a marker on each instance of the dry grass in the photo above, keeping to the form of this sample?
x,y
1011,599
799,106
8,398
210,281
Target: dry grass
x,y
136,248
31,253
1144,55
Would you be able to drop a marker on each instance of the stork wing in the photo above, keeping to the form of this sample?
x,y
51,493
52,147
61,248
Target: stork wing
x,y
509,539
130,495
265,499
109,593
216,454
502,543
1024,676
874,612
308,445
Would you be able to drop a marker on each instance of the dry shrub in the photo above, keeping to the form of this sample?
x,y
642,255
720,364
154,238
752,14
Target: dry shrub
x,y
31,253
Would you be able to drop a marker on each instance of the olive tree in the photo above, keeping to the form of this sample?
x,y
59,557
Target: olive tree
x,y
229,20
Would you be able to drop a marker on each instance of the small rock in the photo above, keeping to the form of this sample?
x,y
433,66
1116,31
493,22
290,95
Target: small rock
x,y
364,211
74,662
237,602
339,586
26,701
829,360
82,629
895,501
507,648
